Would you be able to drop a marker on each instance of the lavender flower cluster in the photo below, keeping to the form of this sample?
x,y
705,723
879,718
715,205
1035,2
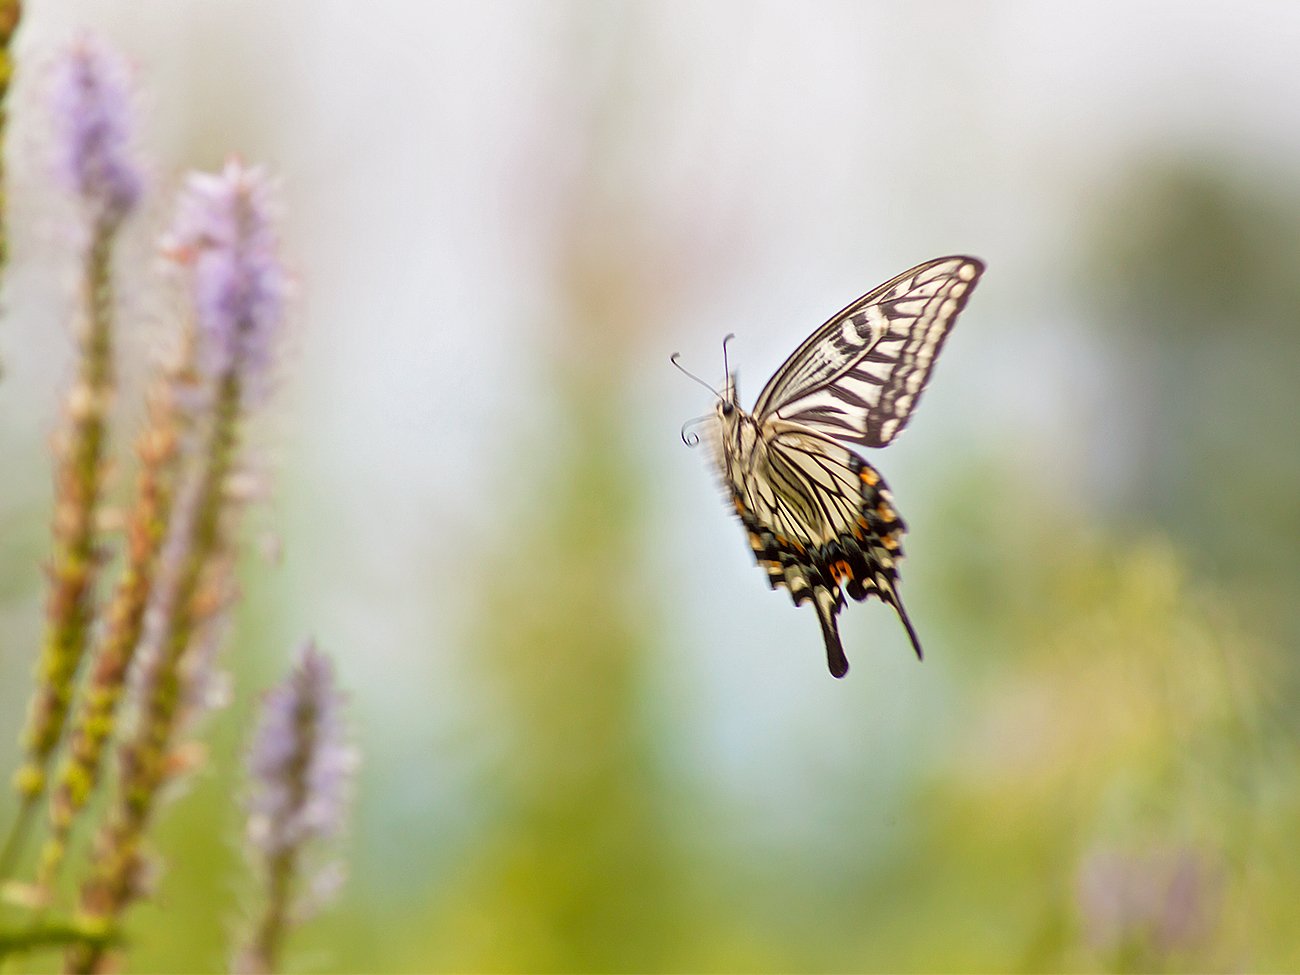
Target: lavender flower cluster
x,y
300,771
90,102
300,761
100,663
223,234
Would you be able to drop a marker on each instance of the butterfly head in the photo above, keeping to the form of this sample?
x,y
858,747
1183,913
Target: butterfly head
x,y
727,409
730,395
728,406
735,434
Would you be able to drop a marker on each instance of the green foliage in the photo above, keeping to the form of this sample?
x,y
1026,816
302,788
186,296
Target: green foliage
x,y
1191,276
580,874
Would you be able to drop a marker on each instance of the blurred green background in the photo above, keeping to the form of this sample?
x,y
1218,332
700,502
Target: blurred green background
x,y
592,739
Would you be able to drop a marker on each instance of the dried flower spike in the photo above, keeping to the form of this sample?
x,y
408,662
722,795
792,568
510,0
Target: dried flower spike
x,y
301,769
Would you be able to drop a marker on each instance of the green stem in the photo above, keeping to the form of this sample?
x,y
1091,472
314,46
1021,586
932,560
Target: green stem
x,y
10,14
263,954
14,841
124,623
75,563
52,935
112,885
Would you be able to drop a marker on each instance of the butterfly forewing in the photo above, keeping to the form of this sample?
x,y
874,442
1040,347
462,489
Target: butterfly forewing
x,y
858,377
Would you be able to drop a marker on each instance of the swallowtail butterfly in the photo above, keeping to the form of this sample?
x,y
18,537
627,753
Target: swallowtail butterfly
x,y
820,518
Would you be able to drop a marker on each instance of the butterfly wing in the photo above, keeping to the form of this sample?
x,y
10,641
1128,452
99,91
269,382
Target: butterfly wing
x,y
858,377
818,518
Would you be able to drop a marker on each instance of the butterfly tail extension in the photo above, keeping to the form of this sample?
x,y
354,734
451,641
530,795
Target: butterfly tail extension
x,y
785,568
894,600
828,603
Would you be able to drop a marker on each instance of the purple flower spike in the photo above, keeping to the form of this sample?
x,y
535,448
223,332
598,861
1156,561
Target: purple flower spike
x,y
224,236
301,768
301,764
93,118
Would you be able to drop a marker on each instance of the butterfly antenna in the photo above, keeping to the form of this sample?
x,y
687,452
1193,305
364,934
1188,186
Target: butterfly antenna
x,y
673,359
726,368
692,438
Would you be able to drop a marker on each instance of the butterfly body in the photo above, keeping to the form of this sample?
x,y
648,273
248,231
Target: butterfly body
x,y
820,520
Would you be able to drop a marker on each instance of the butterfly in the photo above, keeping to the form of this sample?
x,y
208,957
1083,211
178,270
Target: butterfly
x,y
820,519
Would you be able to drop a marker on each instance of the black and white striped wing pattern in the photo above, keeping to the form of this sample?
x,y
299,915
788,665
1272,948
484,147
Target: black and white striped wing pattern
x,y
858,377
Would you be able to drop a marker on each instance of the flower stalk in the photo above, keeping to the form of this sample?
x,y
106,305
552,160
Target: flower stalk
x,y
145,758
158,451
91,112
224,242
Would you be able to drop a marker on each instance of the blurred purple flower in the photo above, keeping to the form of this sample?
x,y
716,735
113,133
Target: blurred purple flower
x,y
300,763
301,769
1165,901
90,101
224,236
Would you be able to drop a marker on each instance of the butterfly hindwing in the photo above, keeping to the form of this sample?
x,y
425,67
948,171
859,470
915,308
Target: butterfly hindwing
x,y
823,519
859,377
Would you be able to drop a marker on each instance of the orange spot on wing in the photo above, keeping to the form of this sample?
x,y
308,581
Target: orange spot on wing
x,y
869,477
